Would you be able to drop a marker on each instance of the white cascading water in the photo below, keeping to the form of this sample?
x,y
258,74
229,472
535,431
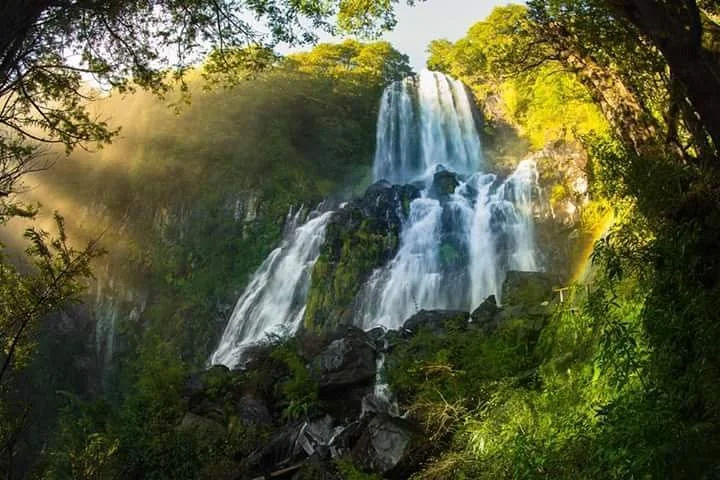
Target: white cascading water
x,y
425,121
455,248
275,298
454,251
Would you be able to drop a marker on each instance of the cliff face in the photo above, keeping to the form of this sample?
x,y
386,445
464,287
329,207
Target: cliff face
x,y
188,207
364,235
181,251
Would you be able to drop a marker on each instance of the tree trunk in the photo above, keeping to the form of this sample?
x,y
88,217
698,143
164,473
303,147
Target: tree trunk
x,y
17,19
676,28
631,123
627,116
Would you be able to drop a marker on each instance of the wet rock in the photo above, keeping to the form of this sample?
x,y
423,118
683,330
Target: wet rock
x,y
485,315
317,435
361,237
387,446
346,361
384,201
377,337
394,338
281,451
322,429
378,404
528,288
444,183
437,321
311,342
347,437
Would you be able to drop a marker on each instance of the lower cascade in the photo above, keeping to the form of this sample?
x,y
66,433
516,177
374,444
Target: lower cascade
x,y
275,297
460,234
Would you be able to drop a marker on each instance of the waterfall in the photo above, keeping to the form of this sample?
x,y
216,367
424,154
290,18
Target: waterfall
x,y
455,247
424,121
274,300
458,240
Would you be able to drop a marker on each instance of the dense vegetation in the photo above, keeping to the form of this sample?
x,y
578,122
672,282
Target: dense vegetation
x,y
620,382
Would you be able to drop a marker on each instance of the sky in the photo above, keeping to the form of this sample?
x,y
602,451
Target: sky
x,y
427,21
434,19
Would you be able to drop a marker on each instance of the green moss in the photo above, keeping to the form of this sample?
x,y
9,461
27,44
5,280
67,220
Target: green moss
x,y
298,391
348,258
459,365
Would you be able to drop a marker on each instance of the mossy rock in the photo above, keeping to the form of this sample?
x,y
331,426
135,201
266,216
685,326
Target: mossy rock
x,y
528,288
438,321
361,237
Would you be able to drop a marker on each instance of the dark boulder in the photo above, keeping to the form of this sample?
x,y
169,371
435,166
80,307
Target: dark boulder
x,y
394,338
528,288
377,337
375,403
485,315
253,411
444,183
385,202
437,321
311,342
345,371
387,446
346,361
317,436
281,451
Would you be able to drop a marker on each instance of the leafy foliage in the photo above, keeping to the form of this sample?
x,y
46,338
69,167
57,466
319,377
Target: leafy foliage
x,y
56,278
625,386
48,48
501,57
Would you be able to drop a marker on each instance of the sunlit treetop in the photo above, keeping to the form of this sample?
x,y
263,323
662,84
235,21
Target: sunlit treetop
x,y
378,61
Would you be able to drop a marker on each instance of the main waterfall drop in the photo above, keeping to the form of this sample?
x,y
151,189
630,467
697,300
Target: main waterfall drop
x,y
425,121
458,239
467,229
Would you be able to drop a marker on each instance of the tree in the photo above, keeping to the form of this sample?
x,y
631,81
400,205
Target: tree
x,y
375,63
49,47
648,66
57,276
57,56
687,38
506,55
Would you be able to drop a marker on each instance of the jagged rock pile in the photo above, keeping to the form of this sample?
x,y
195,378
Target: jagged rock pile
x,y
353,420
